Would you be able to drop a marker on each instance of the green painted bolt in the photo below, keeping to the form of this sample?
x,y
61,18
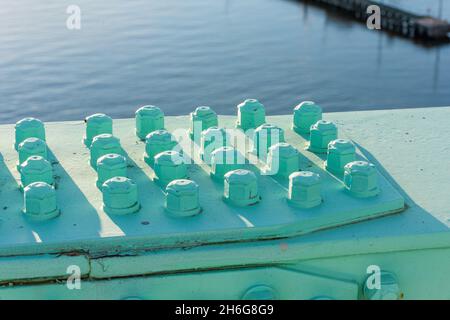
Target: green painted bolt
x,y
305,115
259,292
212,139
97,124
322,133
182,198
40,201
265,136
224,159
148,119
304,189
340,152
28,128
388,288
241,188
120,196
361,179
283,159
201,119
35,169
31,147
251,114
157,142
169,166
109,166
104,144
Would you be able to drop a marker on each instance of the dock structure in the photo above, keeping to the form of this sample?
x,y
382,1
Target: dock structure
x,y
393,19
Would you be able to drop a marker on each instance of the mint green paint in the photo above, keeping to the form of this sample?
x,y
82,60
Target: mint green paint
x,y
260,292
97,124
31,147
283,159
120,196
28,128
201,119
210,140
388,288
35,169
306,114
182,198
148,119
361,179
109,166
104,144
223,160
157,142
251,114
340,152
322,133
40,201
305,189
169,166
265,136
241,188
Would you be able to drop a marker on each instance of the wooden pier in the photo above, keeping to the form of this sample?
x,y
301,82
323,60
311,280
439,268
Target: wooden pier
x,y
393,19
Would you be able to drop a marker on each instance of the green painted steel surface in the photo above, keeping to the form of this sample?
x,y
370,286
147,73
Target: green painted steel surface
x,y
83,224
406,146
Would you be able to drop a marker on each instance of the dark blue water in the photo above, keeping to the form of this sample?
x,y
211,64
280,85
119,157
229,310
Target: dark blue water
x,y
179,54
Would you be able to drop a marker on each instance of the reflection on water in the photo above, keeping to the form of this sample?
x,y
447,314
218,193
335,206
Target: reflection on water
x,y
179,54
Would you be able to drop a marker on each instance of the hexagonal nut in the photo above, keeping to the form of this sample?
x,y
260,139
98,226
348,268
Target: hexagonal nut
x,y
283,159
251,114
104,144
201,119
35,169
321,134
28,128
224,159
120,196
306,114
340,152
148,119
361,179
40,201
97,124
265,136
32,147
389,288
210,140
109,166
169,166
304,189
156,142
182,198
241,188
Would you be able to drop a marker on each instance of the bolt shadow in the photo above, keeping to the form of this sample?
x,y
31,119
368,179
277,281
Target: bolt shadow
x,y
421,216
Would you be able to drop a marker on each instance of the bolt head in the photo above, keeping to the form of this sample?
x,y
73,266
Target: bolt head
x,y
241,187
169,165
201,119
182,198
104,144
264,137
210,140
148,119
304,189
157,142
109,166
361,179
28,128
97,124
305,115
321,134
40,201
283,159
251,114
120,196
36,169
224,159
259,292
32,147
340,152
